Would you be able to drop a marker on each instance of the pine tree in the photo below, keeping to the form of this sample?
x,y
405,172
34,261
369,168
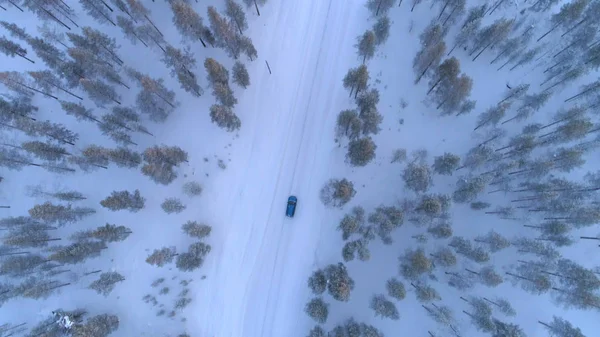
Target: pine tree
x,y
235,12
12,49
119,200
240,74
76,252
128,27
352,222
97,326
385,220
187,20
395,289
317,282
317,309
339,283
45,151
560,327
162,256
18,265
366,45
106,233
384,307
181,63
495,241
356,79
100,92
196,230
415,263
380,6
417,177
28,235
337,192
225,33
444,257
59,214
381,29
442,230
106,283
97,10
361,151
224,117
193,258
37,287
425,293
348,124
172,205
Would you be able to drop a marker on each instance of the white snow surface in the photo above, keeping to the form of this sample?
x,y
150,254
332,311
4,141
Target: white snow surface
x,y
256,273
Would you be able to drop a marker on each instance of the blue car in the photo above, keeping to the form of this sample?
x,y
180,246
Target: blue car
x,y
291,206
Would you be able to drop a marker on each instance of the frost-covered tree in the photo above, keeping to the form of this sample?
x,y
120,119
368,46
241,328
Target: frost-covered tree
x,y
494,241
240,74
97,326
384,307
352,222
384,220
59,214
317,309
106,283
196,230
395,289
417,177
530,246
433,205
106,233
181,63
415,263
193,258
339,283
568,14
98,10
49,327
162,256
172,205
441,230
77,252
560,327
224,117
361,151
337,192
317,282
493,115
381,29
446,164
119,200
366,44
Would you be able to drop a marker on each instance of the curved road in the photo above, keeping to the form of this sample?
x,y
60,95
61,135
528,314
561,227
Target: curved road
x,y
257,271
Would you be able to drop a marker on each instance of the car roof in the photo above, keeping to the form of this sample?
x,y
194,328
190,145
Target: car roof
x,y
292,198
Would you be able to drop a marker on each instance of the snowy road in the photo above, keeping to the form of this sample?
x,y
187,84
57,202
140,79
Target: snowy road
x,y
257,275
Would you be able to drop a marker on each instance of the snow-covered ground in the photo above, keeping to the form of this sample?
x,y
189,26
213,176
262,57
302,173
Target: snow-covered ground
x,y
256,273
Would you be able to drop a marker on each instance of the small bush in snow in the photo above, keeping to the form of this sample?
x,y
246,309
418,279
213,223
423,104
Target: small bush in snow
x,y
479,205
172,205
398,156
192,188
106,283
